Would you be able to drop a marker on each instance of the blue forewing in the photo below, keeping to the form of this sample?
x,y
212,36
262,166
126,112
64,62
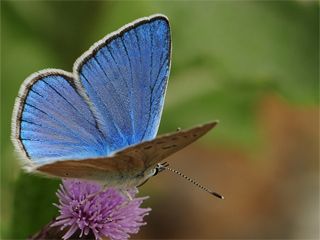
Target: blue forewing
x,y
113,98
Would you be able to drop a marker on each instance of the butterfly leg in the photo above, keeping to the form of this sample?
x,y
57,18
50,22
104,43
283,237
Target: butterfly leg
x,y
125,192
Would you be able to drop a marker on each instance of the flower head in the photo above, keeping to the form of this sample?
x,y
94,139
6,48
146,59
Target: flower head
x,y
85,206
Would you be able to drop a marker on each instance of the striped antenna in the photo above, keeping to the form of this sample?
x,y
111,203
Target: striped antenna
x,y
165,166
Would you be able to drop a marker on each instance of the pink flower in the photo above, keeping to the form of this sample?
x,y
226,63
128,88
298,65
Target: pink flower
x,y
106,213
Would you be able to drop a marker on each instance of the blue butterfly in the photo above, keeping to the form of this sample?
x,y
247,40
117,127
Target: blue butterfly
x,y
100,121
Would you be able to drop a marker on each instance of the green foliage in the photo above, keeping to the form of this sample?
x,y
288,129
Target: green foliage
x,y
226,57
33,198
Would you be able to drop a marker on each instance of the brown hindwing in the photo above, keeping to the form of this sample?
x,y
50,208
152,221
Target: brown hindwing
x,y
128,162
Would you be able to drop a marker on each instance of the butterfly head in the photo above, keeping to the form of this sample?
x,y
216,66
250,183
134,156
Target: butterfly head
x,y
143,178
159,168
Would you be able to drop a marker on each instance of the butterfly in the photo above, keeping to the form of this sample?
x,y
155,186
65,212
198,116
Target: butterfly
x,y
100,122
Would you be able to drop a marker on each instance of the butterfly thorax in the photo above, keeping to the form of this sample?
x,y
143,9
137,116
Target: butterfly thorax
x,y
129,181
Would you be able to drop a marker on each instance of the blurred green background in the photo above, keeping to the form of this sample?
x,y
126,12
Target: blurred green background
x,y
252,65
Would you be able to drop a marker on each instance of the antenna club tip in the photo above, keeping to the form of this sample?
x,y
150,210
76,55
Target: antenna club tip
x,y
217,195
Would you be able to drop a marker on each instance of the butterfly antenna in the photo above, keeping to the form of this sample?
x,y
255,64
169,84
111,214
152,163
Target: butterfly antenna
x,y
165,166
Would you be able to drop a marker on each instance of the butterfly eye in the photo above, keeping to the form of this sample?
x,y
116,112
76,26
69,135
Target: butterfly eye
x,y
159,168
155,171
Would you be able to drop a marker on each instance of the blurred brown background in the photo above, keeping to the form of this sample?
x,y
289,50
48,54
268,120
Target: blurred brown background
x,y
271,193
252,65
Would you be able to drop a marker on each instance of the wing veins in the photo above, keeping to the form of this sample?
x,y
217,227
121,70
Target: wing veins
x,y
132,122
116,63
57,122
77,110
106,107
119,102
151,97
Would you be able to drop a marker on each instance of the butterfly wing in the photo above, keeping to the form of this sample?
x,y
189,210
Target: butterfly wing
x,y
51,121
113,99
126,165
156,150
125,77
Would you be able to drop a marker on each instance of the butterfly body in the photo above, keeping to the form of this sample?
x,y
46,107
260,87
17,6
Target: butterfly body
x,y
99,122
